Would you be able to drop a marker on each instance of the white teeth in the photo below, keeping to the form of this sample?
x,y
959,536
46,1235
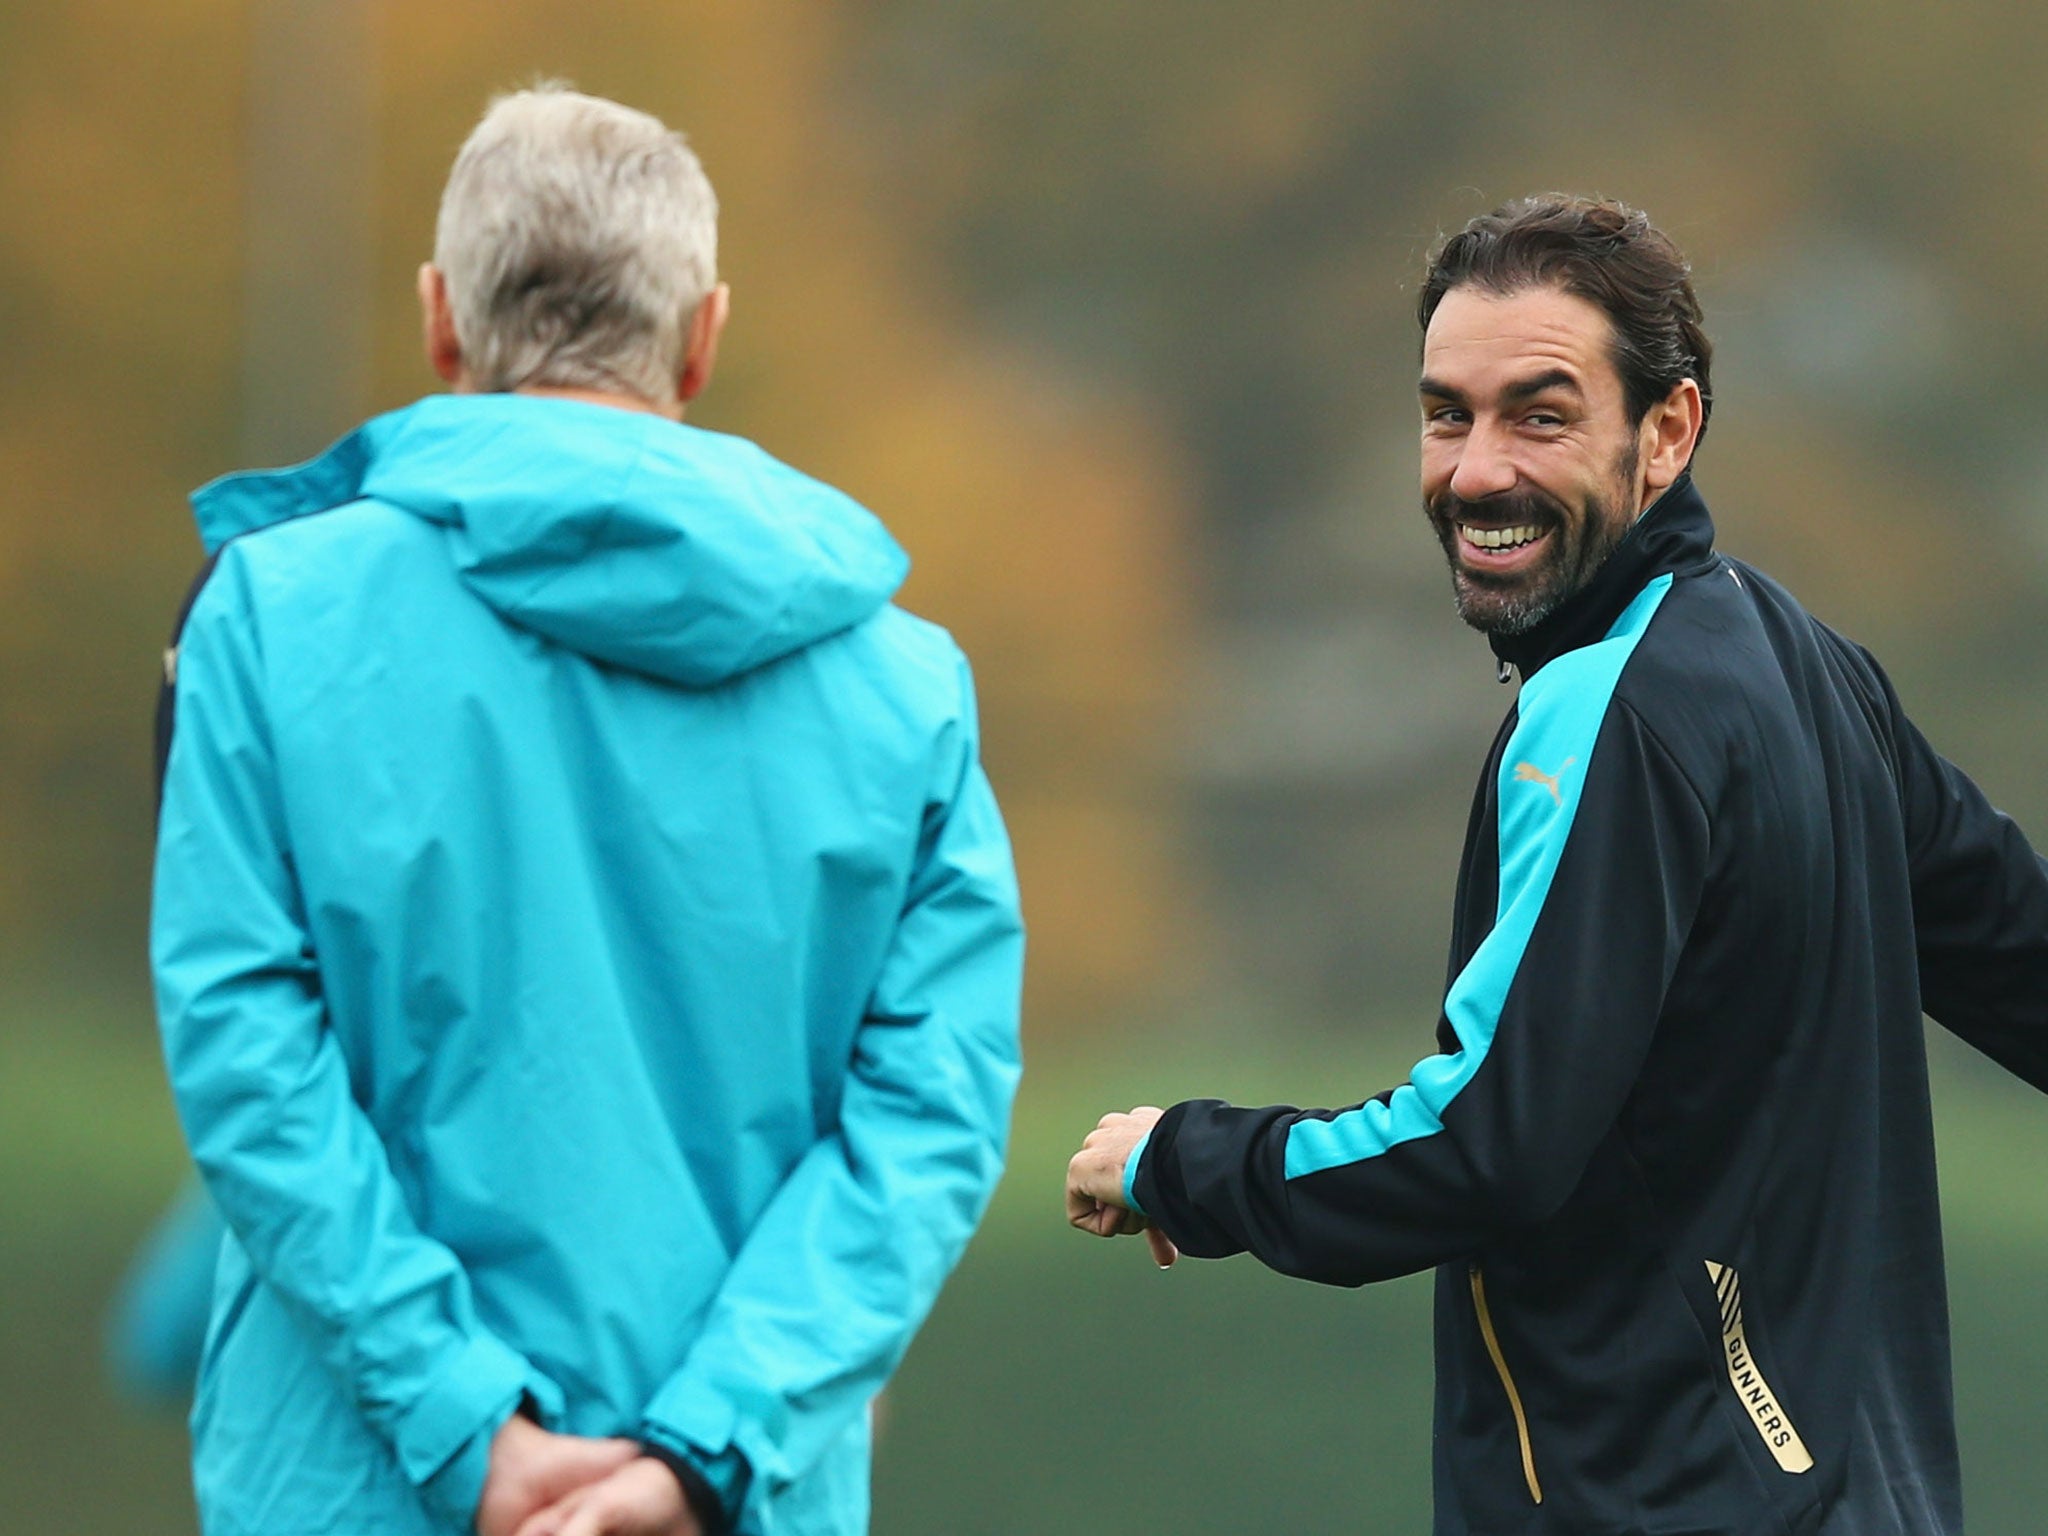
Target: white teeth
x,y
1499,538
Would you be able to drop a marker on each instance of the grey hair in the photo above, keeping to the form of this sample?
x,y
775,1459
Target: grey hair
x,y
577,238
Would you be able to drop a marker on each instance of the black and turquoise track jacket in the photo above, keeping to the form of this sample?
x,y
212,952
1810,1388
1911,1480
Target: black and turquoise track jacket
x,y
1673,1159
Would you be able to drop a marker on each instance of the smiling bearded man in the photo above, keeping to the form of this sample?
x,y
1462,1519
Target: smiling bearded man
x,y
1534,441
1673,1158
1517,554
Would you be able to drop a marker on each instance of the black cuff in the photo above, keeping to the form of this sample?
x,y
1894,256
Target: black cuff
x,y
697,1491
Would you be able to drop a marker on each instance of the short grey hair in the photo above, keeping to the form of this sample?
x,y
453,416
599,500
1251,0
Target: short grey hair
x,y
577,238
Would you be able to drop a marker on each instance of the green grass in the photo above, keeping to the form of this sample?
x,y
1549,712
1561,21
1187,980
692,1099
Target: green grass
x,y
1063,1385
88,1153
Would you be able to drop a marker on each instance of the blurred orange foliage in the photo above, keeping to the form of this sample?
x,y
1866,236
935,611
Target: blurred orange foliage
x,y
1045,520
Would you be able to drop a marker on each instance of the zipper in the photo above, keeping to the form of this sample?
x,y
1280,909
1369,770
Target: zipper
x,y
1500,1365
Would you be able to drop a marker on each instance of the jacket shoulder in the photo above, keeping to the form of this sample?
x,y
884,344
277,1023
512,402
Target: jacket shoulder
x,y
896,637
914,661
1706,665
351,545
1735,659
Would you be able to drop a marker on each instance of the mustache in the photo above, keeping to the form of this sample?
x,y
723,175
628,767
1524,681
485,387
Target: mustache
x,y
1526,505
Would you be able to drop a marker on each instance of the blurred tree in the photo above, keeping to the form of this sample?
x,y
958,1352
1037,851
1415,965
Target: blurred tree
x,y
1043,519
117,287
1229,207
1033,280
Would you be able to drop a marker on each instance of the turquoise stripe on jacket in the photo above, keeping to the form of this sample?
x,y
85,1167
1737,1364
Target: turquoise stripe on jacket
x,y
1559,716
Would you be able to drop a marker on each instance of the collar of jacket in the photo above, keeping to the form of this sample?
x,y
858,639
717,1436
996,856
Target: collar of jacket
x,y
1674,535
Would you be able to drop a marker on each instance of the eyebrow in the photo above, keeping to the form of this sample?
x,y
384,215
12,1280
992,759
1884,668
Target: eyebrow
x,y
1521,389
1555,378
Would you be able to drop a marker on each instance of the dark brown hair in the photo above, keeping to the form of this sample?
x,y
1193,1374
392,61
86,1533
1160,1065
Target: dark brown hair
x,y
1606,253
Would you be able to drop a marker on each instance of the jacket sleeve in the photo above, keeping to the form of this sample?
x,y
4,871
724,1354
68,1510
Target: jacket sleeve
x,y
264,1093
1980,908
1603,853
848,1257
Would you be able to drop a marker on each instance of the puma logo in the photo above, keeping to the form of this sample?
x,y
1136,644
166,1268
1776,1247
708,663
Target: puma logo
x,y
1529,773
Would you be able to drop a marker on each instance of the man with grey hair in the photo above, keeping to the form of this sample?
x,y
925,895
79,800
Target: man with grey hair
x,y
577,249
586,945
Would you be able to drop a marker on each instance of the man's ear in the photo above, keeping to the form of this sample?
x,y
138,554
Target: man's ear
x,y
1670,430
437,327
700,355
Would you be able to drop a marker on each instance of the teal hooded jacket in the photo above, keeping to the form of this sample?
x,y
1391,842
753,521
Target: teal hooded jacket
x,y
588,959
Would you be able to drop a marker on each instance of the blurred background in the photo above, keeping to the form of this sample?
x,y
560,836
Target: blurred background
x,y
1106,306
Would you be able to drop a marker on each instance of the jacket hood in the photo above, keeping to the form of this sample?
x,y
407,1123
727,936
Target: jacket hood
x,y
687,555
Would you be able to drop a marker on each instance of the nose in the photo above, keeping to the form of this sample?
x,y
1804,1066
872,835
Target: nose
x,y
1485,467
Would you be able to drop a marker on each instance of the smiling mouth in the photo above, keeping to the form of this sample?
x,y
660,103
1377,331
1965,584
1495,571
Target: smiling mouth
x,y
1500,540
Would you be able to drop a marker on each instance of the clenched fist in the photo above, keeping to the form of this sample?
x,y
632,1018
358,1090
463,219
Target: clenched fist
x,y
1095,1182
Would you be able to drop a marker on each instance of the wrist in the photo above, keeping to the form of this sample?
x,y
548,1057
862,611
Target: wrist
x,y
1129,1182
711,1505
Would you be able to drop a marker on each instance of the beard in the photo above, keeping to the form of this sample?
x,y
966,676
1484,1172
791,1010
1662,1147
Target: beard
x,y
1577,545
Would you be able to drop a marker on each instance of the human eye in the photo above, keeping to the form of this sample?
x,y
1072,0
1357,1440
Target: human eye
x,y
1443,415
